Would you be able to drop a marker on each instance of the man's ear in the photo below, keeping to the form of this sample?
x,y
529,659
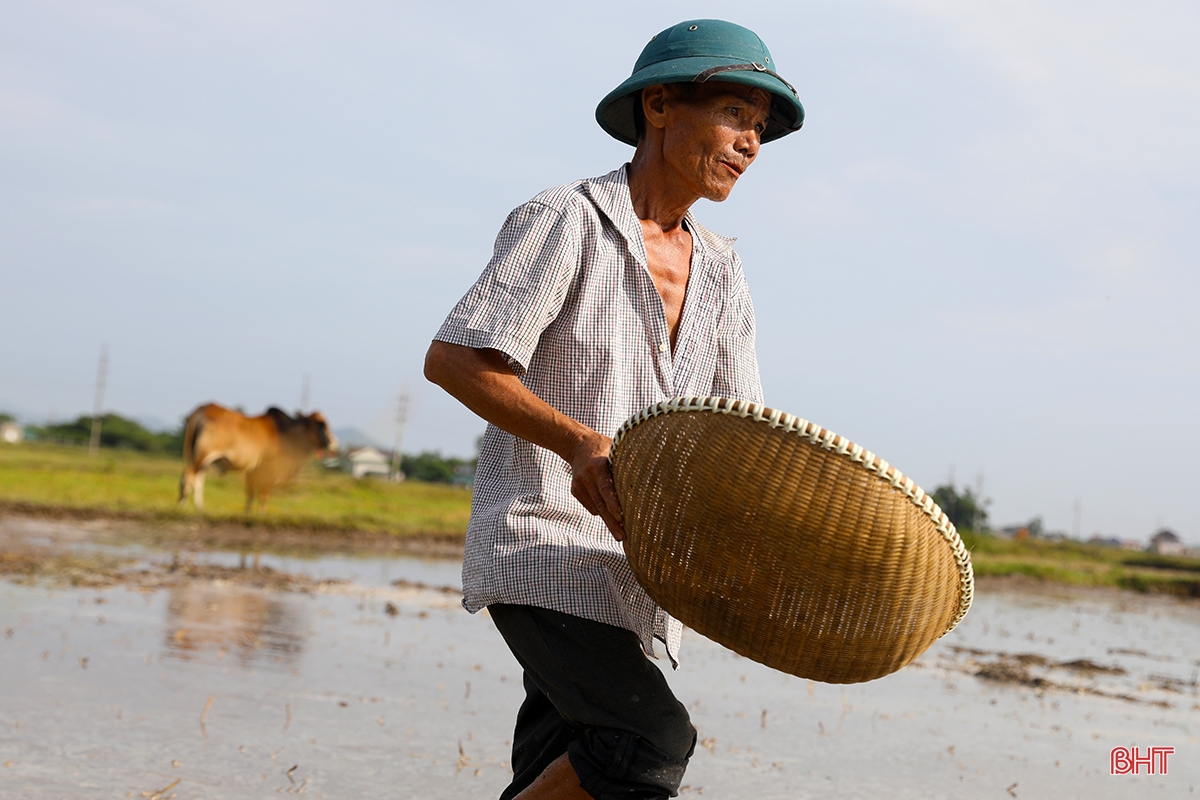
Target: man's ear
x,y
654,105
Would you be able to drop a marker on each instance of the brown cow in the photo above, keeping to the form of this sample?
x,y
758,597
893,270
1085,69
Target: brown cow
x,y
270,448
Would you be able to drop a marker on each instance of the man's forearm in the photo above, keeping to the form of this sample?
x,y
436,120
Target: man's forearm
x,y
483,382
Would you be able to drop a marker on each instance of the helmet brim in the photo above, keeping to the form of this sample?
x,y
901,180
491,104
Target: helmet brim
x,y
615,112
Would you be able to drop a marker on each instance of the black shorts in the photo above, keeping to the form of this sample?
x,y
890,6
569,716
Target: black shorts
x,y
591,692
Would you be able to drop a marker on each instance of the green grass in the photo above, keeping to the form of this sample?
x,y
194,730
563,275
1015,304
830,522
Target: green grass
x,y
143,486
1084,564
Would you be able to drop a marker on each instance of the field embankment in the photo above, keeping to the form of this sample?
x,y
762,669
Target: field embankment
x,y
62,481
1084,564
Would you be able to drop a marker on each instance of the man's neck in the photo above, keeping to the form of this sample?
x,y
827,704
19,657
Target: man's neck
x,y
655,193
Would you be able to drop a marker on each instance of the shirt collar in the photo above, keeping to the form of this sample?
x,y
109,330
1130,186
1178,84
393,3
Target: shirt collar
x,y
610,193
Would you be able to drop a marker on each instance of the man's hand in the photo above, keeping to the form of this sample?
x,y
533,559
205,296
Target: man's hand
x,y
592,483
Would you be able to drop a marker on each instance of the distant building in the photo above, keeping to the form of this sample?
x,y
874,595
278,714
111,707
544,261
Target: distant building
x,y
1166,543
464,475
1011,532
362,462
1034,528
1106,541
11,433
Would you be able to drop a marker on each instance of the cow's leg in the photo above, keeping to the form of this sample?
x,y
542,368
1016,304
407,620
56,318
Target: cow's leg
x,y
257,483
191,482
198,490
185,483
263,493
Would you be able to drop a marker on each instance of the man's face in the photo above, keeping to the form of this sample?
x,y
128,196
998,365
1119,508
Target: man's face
x,y
711,133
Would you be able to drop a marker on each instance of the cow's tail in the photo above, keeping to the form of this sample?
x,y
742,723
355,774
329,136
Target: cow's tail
x,y
194,424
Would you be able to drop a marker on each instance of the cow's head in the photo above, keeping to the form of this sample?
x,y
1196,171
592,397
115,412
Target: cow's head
x,y
318,432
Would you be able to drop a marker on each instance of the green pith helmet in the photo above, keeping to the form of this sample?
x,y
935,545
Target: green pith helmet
x,y
699,50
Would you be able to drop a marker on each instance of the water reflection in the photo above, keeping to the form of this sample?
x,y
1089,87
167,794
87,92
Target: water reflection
x,y
250,624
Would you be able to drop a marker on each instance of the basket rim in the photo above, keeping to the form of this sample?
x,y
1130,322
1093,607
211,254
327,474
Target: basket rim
x,y
838,445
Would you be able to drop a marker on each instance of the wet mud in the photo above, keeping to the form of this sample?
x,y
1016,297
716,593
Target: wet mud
x,y
133,670
252,534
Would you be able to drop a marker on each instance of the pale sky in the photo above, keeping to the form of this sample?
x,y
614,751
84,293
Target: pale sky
x,y
980,252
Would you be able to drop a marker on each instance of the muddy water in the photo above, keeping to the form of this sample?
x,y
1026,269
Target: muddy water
x,y
220,689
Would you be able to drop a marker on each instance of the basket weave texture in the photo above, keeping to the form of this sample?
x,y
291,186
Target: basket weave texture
x,y
785,542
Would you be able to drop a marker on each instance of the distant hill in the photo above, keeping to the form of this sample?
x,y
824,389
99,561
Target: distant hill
x,y
353,437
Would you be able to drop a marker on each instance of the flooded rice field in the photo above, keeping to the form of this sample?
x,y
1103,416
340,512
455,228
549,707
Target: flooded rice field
x,y
137,673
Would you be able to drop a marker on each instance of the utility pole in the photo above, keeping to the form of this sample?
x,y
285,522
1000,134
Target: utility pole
x,y
98,409
978,502
304,395
401,421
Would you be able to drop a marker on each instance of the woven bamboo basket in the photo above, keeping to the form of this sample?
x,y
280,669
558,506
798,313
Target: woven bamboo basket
x,y
785,542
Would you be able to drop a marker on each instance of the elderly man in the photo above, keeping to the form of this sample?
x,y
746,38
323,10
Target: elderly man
x,y
603,297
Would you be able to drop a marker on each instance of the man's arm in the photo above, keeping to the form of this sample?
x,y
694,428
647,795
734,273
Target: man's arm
x,y
482,381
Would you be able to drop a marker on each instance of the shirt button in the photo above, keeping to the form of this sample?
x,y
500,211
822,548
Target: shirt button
x,y
662,348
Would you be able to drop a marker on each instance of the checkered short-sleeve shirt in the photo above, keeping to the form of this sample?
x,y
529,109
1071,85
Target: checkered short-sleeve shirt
x,y
568,300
